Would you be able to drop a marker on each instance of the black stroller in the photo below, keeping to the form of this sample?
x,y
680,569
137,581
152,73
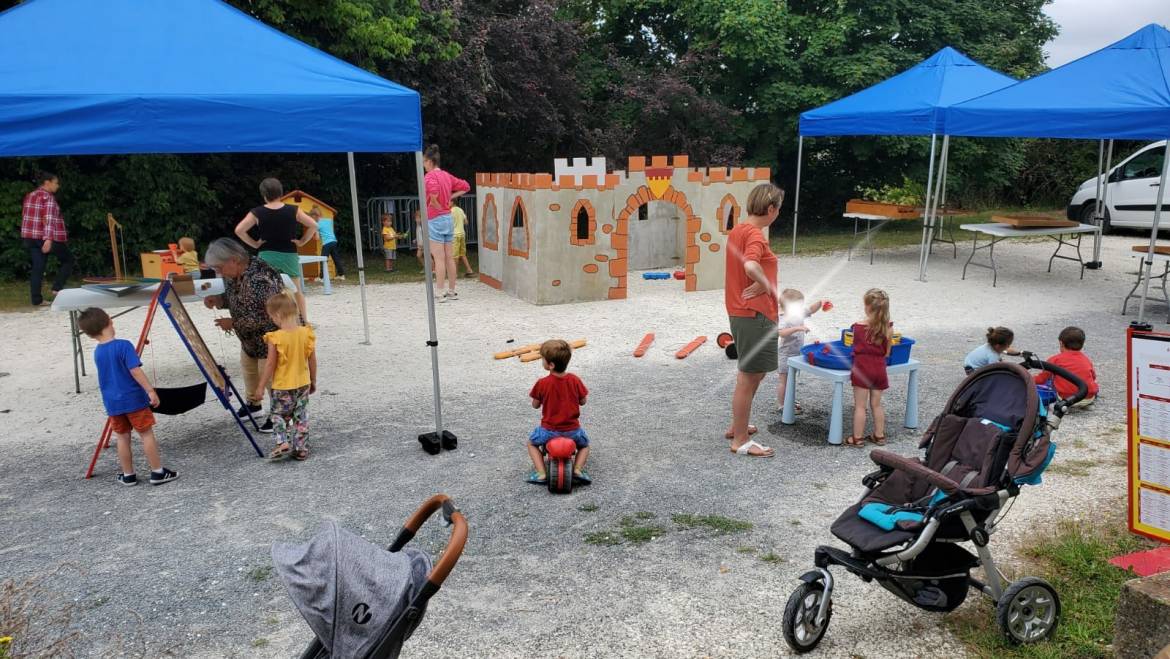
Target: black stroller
x,y
361,600
993,436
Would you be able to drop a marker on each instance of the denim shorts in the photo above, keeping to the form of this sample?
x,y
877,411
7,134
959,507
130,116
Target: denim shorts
x,y
541,435
441,229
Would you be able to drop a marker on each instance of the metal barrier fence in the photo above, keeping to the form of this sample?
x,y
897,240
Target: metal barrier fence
x,y
403,209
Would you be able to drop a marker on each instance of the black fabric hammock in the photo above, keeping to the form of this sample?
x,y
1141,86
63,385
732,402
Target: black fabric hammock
x,y
177,400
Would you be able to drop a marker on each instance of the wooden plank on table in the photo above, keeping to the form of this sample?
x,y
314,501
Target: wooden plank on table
x,y
1158,249
1034,221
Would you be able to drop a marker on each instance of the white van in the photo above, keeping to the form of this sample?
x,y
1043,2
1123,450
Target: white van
x,y
1133,192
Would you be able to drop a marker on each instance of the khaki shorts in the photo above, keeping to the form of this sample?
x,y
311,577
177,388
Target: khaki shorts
x,y
460,248
756,342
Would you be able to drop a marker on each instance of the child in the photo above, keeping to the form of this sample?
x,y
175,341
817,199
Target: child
x,y
792,330
871,345
418,254
1070,357
559,396
459,248
329,246
127,395
188,259
291,367
999,342
389,241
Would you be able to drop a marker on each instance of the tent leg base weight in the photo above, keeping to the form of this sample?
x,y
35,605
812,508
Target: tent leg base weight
x,y
1093,265
432,442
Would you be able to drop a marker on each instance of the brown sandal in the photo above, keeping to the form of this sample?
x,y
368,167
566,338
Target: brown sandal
x,y
280,452
854,441
879,441
301,455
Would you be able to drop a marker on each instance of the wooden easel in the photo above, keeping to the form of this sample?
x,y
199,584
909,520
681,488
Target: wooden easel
x,y
114,228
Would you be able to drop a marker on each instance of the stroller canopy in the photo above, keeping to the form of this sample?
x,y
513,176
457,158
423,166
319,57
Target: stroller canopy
x,y
349,590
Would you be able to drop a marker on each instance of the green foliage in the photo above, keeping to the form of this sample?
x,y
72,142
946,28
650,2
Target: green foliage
x,y
1074,560
717,523
909,193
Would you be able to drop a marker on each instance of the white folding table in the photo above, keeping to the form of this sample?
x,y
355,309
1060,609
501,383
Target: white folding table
x,y
1164,259
881,220
999,232
76,300
799,364
324,261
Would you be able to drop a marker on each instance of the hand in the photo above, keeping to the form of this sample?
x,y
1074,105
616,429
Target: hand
x,y
47,247
213,301
225,324
153,396
258,394
299,243
755,290
313,387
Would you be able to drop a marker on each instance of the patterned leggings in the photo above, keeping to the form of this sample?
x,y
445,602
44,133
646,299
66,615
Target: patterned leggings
x,y
290,417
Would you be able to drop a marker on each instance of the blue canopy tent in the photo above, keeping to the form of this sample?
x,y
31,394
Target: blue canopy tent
x,y
79,77
1119,92
909,104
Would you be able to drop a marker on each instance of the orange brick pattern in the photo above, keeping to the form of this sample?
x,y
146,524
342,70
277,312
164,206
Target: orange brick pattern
x,y
619,240
512,251
573,239
489,230
556,282
720,216
590,268
491,281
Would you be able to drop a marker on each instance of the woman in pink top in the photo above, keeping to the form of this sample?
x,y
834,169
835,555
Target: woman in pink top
x,y
441,189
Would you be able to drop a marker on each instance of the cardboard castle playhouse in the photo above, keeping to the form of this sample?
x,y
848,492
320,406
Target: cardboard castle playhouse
x,y
306,202
575,235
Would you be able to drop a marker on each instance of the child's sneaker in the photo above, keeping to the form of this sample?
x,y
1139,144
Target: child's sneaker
x,y
128,479
452,295
162,476
267,427
582,477
537,479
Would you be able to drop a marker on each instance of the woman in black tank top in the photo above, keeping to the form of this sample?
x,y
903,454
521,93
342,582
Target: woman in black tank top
x,y
276,225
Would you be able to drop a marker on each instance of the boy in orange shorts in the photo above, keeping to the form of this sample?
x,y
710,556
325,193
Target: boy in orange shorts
x,y
127,395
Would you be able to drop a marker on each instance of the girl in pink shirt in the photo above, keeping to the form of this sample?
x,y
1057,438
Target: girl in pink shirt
x,y
441,189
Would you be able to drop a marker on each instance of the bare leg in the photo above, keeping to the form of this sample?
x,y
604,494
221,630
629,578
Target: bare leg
x,y
300,296
860,403
389,265
439,263
537,459
746,385
150,447
453,272
582,456
879,413
467,264
125,454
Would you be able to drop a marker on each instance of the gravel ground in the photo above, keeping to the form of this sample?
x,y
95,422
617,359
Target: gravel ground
x,y
184,570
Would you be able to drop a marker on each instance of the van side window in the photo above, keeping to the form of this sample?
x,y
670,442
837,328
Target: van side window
x,y
1146,165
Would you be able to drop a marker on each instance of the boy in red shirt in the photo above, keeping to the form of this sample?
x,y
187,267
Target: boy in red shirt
x,y
1070,357
559,396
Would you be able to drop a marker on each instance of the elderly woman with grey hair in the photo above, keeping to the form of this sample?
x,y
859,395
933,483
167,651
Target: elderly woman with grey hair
x,y
248,283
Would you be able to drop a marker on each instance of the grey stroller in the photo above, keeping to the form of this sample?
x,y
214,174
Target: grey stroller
x,y
362,601
993,436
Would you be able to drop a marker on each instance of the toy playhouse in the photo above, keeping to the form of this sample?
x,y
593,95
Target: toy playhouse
x,y
306,202
574,235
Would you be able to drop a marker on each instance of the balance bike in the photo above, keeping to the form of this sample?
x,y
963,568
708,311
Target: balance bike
x,y
559,456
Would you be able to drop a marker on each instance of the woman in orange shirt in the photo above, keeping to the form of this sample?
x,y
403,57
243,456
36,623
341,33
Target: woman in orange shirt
x,y
751,296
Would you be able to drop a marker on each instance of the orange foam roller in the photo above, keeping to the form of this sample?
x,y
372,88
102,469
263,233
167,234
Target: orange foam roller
x,y
517,352
644,345
691,347
533,356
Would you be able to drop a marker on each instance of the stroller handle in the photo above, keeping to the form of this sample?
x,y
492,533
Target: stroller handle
x,y
455,543
1031,361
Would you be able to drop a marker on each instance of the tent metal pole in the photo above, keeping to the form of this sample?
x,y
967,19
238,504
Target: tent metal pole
x,y
433,342
357,240
933,210
1096,262
922,247
796,204
1105,194
1149,262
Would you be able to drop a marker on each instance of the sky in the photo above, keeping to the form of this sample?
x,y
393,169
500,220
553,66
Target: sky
x,y
1088,25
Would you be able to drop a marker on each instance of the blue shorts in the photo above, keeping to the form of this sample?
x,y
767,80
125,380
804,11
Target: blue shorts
x,y
541,435
441,229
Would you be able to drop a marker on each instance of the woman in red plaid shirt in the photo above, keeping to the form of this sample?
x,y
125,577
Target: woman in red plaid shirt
x,y
43,231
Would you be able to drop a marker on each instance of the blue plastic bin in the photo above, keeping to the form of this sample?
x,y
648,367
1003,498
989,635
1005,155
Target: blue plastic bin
x,y
900,352
838,357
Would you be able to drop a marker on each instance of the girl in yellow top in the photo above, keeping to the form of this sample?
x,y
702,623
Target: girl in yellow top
x,y
291,367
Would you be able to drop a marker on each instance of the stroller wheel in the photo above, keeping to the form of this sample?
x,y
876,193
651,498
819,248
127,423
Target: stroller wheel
x,y
1028,611
801,630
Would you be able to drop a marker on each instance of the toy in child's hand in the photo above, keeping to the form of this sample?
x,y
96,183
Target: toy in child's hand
x,y
827,305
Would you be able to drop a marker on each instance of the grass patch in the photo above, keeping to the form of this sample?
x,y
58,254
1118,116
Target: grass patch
x,y
1075,468
262,573
717,523
1074,559
260,642
771,557
588,507
641,534
606,538
745,550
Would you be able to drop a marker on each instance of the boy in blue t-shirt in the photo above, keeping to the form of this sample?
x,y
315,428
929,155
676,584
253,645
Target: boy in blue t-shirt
x,y
127,395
